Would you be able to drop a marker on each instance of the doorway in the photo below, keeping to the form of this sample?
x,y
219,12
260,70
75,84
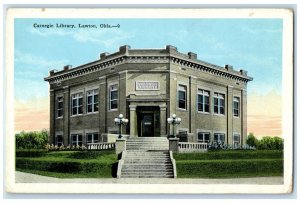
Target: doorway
x,y
148,124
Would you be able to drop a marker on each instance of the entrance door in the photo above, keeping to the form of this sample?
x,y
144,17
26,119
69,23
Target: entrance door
x,y
147,125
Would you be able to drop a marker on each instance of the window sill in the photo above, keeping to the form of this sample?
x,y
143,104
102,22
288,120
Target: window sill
x,y
215,114
59,118
205,113
112,110
182,109
236,117
92,113
77,115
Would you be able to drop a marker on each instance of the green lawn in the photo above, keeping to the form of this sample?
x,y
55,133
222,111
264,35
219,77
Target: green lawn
x,y
230,164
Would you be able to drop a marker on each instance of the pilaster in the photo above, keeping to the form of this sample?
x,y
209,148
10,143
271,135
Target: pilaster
x,y
133,121
51,138
229,114
163,120
193,101
173,96
102,105
122,93
66,116
244,117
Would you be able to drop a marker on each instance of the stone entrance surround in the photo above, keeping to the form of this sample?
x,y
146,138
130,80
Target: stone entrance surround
x,y
134,122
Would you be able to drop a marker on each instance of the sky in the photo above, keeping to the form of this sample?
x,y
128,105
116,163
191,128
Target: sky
x,y
251,44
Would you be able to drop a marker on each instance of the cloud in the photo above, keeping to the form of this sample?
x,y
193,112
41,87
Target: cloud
x,y
260,30
37,61
179,35
29,73
108,38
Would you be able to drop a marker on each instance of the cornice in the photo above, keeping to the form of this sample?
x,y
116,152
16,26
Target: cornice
x,y
122,59
211,69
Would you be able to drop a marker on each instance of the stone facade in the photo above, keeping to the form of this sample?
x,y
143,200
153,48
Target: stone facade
x,y
147,86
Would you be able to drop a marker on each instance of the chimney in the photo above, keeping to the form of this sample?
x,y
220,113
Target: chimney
x,y
229,67
243,72
51,72
171,48
67,67
124,49
192,55
103,55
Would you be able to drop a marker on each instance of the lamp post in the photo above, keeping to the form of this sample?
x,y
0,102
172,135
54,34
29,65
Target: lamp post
x,y
121,121
174,121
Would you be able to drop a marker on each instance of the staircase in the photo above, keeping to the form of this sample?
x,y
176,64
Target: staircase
x,y
147,157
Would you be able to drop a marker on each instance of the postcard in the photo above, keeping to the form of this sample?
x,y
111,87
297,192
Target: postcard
x,y
149,101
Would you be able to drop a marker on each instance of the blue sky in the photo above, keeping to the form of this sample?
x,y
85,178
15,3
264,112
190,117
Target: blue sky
x,y
251,44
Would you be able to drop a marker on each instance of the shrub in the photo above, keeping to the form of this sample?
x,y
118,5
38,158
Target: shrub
x,y
31,140
223,146
89,154
66,166
230,154
30,153
65,148
229,168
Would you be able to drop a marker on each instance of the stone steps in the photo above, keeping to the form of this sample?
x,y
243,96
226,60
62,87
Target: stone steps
x,y
146,167
147,157
147,176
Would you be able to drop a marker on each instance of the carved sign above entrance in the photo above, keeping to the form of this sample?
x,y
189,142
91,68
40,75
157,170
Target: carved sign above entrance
x,y
146,85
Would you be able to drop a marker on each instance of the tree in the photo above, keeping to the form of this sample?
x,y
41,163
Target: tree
x,y
270,143
31,140
252,141
278,142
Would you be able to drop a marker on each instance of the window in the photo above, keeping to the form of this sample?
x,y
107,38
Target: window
x,y
92,101
60,106
77,104
236,141
236,106
219,137
92,137
203,137
113,97
59,140
219,103
181,97
203,101
76,139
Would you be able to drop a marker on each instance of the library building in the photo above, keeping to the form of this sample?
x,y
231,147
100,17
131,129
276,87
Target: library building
x,y
148,86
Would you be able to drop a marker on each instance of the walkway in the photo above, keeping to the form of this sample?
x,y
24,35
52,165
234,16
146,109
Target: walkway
x,y
32,178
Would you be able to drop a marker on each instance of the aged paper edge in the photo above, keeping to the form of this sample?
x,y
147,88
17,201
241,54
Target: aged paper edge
x,y
287,110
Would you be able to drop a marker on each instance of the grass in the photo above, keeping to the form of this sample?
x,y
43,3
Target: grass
x,y
103,164
230,164
231,154
63,175
69,164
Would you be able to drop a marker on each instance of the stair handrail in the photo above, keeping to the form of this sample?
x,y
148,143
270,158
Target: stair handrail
x,y
174,164
120,164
